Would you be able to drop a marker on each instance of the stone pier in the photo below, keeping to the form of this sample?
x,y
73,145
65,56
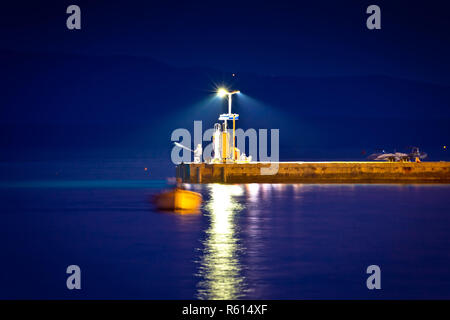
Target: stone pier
x,y
317,172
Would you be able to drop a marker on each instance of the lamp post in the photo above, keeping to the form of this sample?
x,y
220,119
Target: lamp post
x,y
223,92
230,116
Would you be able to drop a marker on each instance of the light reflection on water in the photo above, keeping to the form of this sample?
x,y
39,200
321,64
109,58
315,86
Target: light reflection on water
x,y
220,268
253,241
241,219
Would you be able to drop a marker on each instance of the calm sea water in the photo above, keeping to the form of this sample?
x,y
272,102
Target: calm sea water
x,y
254,241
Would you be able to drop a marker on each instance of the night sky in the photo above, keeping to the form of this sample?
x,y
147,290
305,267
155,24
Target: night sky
x,y
139,69
301,38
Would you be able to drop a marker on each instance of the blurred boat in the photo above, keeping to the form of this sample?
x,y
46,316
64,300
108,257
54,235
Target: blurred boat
x,y
178,200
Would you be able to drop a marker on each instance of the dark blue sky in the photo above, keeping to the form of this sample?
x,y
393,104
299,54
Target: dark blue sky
x,y
301,38
139,69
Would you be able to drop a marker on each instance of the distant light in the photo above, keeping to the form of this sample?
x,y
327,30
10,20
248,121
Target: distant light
x,y
234,74
145,169
445,147
222,92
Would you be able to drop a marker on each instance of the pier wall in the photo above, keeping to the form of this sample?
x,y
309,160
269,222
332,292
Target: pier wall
x,y
317,172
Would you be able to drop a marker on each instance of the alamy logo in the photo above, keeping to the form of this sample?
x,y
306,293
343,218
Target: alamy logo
x,y
74,280
374,20
222,147
374,280
74,20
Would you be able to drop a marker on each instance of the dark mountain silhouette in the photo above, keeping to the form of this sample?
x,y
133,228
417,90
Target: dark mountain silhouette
x,y
64,101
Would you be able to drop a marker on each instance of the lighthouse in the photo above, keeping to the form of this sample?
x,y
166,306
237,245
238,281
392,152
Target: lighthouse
x,y
224,141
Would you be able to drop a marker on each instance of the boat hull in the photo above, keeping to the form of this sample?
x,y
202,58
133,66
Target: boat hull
x,y
178,200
